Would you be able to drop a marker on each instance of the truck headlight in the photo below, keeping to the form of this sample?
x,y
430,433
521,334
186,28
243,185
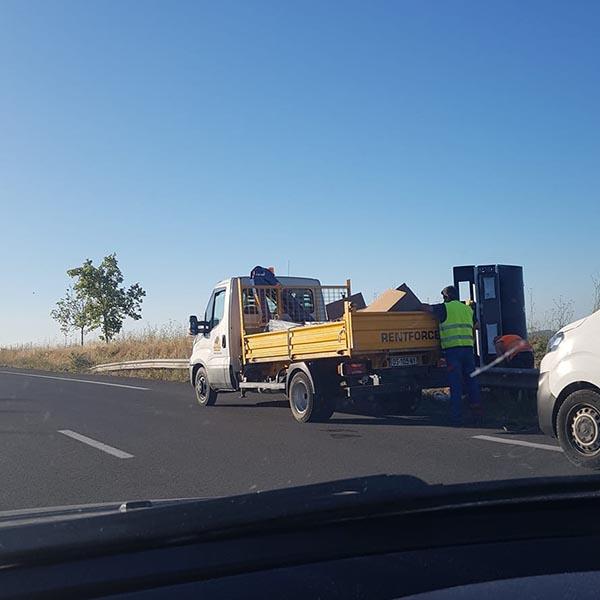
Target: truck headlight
x,y
555,341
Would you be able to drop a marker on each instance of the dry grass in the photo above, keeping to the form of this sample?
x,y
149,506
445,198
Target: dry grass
x,y
165,342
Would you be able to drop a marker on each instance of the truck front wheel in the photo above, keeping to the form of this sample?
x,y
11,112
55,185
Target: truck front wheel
x,y
306,403
205,395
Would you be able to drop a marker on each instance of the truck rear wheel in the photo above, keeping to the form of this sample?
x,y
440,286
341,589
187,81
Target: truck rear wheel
x,y
205,395
306,403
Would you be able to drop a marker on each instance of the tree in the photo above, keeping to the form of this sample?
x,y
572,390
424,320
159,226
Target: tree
x,y
596,296
108,301
561,314
62,315
532,324
72,313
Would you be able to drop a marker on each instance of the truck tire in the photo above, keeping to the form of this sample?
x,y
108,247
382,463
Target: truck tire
x,y
205,395
306,404
578,428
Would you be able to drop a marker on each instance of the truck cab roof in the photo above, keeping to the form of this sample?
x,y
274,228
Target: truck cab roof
x,y
285,281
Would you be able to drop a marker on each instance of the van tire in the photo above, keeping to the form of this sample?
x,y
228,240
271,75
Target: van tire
x,y
578,428
205,395
307,404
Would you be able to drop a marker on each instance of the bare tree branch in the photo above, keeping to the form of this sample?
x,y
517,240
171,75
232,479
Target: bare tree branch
x,y
561,314
596,293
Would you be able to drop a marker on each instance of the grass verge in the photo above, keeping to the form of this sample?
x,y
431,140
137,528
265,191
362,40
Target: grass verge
x,y
165,342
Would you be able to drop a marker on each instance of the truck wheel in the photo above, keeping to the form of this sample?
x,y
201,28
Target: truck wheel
x,y
205,395
307,405
578,428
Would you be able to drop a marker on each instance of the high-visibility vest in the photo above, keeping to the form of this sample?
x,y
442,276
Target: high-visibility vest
x,y
457,330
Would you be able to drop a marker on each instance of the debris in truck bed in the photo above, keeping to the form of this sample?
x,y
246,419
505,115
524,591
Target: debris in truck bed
x,y
401,299
335,310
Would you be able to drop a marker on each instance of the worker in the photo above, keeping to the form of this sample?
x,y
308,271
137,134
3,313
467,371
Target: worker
x,y
457,325
519,352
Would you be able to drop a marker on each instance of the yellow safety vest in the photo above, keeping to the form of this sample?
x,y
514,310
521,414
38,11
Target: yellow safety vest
x,y
457,330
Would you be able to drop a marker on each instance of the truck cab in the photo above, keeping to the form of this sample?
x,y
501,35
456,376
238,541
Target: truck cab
x,y
217,342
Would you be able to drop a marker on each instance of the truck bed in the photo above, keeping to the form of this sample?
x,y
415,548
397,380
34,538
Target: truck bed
x,y
357,333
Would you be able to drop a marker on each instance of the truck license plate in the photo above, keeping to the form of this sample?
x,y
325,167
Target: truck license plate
x,y
403,361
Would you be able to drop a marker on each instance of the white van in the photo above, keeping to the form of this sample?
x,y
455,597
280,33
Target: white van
x,y
569,391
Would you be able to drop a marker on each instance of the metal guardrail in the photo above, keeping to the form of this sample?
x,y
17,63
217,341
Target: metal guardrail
x,y
496,377
501,377
153,363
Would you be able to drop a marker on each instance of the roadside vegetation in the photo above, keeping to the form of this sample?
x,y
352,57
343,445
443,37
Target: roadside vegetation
x,y
169,341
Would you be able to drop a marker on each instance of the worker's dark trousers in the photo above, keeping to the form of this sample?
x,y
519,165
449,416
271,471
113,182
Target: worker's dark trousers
x,y
461,363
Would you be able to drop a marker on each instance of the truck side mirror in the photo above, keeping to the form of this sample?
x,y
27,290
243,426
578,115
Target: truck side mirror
x,y
196,326
193,325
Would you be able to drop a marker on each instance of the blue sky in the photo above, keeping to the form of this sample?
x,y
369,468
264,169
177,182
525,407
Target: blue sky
x,y
383,141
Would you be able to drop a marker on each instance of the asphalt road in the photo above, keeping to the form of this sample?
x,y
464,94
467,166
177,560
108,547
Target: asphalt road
x,y
72,440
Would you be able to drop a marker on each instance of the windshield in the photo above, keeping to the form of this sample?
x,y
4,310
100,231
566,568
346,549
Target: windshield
x,y
257,245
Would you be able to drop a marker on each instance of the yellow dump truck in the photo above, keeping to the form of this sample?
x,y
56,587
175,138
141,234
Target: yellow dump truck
x,y
286,338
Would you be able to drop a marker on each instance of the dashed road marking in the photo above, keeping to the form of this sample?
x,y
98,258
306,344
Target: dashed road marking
x,y
120,385
491,438
95,444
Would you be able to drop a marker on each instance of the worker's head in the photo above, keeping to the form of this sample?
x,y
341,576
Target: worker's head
x,y
449,293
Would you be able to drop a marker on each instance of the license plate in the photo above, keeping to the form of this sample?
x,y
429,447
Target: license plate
x,y
403,361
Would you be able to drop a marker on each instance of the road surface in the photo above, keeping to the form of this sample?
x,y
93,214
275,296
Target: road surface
x,y
79,439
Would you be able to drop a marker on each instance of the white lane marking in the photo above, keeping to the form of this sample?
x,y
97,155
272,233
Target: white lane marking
x,y
490,438
121,385
95,444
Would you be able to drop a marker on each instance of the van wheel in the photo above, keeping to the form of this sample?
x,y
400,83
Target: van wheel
x,y
306,404
578,428
205,395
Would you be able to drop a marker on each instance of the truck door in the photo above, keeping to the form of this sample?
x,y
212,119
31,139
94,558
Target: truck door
x,y
217,339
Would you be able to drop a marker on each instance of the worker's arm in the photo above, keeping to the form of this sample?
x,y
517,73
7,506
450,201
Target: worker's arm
x,y
426,307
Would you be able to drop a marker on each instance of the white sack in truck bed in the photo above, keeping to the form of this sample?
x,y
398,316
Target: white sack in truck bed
x,y
280,325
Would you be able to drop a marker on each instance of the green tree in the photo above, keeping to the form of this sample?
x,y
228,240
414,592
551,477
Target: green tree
x,y
109,302
72,313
